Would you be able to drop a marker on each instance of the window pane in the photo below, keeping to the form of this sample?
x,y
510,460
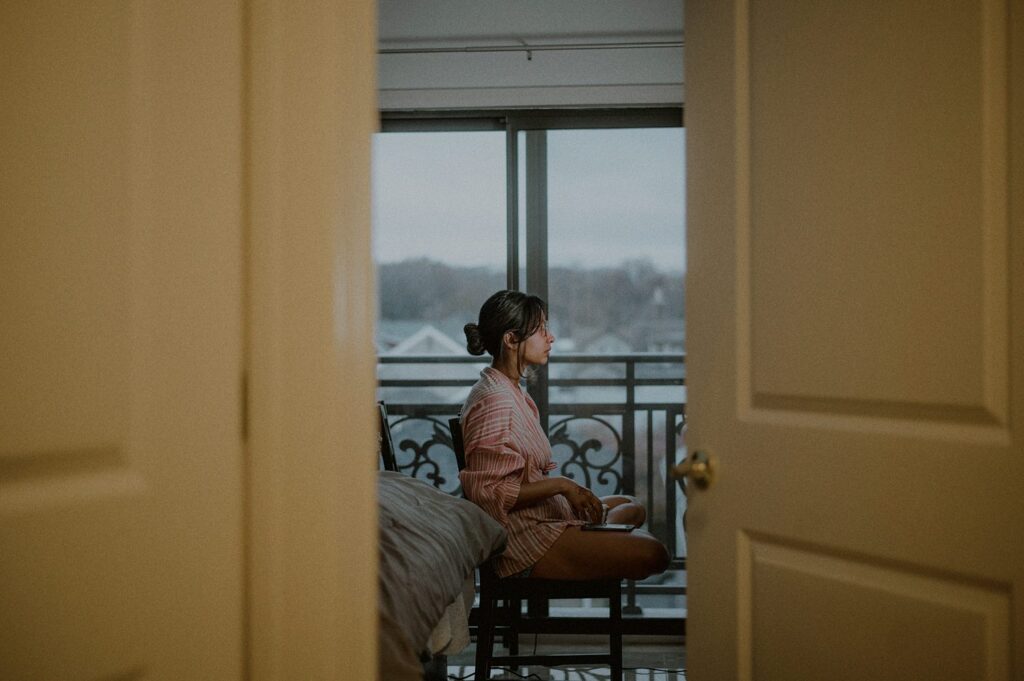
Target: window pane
x,y
616,239
616,268
439,246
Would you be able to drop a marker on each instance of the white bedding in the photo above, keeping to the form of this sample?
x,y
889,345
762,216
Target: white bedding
x,y
451,635
430,542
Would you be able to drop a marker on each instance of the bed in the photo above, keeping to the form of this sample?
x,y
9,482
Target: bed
x,y
430,543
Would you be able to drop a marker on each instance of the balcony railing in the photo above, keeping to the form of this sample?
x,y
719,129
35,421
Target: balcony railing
x,y
615,424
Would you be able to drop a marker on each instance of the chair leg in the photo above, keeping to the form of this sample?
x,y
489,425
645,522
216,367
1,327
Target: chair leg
x,y
515,613
615,642
484,637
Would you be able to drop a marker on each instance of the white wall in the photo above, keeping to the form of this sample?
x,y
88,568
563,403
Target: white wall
x,y
583,77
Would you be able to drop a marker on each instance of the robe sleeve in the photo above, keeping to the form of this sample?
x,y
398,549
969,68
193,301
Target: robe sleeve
x,y
494,470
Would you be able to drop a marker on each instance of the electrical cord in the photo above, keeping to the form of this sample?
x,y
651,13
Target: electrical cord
x,y
534,677
530,677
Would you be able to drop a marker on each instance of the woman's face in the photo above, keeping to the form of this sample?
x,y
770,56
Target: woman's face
x,y
536,348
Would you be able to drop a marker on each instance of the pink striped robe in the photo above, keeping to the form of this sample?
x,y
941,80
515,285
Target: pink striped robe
x,y
505,446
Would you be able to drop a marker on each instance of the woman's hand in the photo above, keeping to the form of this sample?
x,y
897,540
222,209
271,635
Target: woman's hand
x,y
585,503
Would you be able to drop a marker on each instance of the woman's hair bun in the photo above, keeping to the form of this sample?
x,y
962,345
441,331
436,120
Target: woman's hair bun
x,y
474,341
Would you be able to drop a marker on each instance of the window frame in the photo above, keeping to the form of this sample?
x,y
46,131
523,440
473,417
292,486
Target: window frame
x,y
534,123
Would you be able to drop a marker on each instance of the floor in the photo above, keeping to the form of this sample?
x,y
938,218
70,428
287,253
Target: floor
x,y
645,658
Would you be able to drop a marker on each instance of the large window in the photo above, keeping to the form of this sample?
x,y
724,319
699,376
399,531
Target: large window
x,y
584,209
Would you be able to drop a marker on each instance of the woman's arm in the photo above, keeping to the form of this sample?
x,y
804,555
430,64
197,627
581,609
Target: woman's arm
x,y
585,503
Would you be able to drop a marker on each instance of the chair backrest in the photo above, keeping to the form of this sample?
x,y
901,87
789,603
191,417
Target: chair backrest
x,y
387,447
455,425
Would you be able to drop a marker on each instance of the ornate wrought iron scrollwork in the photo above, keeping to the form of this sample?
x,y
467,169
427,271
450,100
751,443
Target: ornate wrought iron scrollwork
x,y
420,462
581,461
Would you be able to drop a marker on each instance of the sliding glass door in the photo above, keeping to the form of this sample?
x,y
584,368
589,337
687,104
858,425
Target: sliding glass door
x,y
585,209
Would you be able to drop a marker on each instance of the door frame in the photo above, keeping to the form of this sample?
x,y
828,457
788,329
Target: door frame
x,y
311,527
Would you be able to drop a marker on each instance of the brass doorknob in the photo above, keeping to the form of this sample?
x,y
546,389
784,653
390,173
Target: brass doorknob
x,y
697,468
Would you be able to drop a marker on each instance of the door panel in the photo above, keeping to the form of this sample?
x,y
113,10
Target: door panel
x,y
925,625
895,204
854,295
120,360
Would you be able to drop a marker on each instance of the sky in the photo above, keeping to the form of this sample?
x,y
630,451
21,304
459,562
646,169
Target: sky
x,y
613,195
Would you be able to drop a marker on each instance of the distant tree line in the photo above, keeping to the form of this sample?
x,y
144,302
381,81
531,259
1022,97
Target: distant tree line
x,y
614,299
430,290
608,299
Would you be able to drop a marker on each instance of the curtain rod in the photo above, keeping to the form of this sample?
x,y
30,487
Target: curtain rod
x,y
531,48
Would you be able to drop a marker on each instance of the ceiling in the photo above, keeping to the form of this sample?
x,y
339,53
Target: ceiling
x,y
404,23
446,54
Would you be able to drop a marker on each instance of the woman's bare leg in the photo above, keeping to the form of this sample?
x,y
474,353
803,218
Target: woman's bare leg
x,y
625,510
579,554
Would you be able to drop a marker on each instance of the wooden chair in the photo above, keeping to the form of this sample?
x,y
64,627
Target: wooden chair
x,y
387,447
512,591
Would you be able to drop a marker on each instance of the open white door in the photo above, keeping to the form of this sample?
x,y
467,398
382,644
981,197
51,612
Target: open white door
x,y
855,333
121,344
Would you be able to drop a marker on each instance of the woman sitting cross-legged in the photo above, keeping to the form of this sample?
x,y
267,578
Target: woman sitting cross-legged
x,y
508,461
